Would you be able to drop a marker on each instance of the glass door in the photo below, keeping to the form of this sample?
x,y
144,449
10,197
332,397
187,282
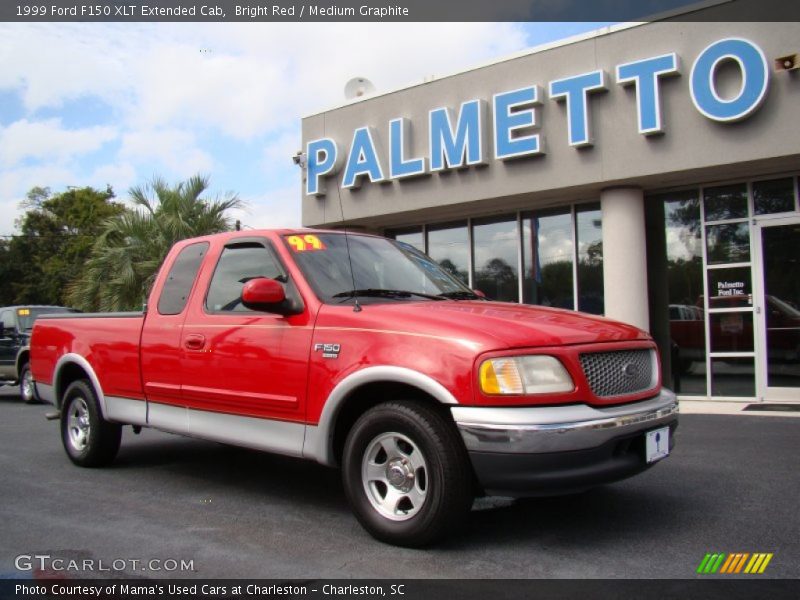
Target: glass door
x,y
778,308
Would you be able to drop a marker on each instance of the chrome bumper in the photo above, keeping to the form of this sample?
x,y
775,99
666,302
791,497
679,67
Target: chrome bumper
x,y
538,430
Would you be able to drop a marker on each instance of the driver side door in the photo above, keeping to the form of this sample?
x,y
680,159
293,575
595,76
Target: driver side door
x,y
242,363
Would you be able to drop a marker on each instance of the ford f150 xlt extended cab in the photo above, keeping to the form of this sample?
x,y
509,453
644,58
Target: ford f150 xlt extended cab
x,y
361,352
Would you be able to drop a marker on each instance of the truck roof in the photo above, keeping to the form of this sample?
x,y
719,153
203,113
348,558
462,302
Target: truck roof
x,y
280,231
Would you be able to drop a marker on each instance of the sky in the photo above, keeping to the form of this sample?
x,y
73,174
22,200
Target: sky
x,y
96,104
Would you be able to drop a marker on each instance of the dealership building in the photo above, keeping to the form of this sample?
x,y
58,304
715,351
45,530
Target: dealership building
x,y
647,172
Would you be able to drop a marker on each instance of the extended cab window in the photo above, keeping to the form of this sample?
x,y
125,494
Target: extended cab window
x,y
238,265
181,278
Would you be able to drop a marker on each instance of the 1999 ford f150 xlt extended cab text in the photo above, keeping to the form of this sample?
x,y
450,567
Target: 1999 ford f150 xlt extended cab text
x,y
359,351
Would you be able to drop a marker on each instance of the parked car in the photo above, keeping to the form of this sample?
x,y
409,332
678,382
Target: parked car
x,y
362,352
688,337
16,323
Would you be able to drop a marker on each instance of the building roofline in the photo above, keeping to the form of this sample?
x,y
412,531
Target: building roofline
x,y
574,39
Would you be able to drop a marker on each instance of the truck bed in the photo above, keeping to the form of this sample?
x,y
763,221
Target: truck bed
x,y
109,342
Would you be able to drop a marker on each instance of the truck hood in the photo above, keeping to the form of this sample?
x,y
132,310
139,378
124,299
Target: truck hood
x,y
496,325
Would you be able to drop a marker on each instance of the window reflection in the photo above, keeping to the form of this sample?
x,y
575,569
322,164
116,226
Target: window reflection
x,y
495,246
774,196
589,229
547,257
728,243
781,252
685,281
449,246
733,377
732,332
725,202
730,288
412,237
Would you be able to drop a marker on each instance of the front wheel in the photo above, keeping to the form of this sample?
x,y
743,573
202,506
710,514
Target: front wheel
x,y
406,474
27,393
90,440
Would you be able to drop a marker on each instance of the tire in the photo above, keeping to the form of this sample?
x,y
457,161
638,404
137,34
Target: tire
x,y
406,474
27,391
89,440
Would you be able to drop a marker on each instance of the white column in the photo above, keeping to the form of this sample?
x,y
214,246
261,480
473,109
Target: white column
x,y
625,256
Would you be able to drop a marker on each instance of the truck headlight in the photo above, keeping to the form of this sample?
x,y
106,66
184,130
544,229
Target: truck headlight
x,y
537,374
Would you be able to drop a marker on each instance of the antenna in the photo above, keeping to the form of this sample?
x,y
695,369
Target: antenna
x,y
358,87
357,306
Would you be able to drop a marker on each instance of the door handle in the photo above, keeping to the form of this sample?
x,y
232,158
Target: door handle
x,y
194,341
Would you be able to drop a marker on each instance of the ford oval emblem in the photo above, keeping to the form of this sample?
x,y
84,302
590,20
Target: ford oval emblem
x,y
630,370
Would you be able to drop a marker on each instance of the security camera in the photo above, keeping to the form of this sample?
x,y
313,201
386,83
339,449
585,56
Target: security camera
x,y
300,159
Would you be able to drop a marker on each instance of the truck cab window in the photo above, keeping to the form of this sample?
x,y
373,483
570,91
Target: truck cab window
x,y
238,265
181,278
7,323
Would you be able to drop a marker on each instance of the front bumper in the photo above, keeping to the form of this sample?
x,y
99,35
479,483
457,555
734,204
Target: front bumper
x,y
560,449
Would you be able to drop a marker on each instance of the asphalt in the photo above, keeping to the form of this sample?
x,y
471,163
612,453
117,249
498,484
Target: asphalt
x,y
731,485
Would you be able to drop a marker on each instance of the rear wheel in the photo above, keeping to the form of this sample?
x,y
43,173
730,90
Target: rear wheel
x,y
27,392
90,440
406,474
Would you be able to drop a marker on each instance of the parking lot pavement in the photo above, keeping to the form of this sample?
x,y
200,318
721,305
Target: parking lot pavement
x,y
730,486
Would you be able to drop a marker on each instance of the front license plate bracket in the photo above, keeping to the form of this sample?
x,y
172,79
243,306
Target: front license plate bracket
x,y
657,444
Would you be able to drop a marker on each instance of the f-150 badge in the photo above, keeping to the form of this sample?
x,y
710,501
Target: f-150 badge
x,y
328,350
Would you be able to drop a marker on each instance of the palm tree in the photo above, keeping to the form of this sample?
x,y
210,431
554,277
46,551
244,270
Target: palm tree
x,y
127,254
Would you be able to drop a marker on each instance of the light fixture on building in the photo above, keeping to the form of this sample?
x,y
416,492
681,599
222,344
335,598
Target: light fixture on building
x,y
787,63
300,159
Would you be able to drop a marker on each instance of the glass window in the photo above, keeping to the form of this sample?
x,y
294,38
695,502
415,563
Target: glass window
x,y
730,288
729,243
8,322
731,332
180,280
382,271
412,237
449,246
725,202
781,254
27,316
238,265
685,283
774,196
496,245
547,255
590,258
733,377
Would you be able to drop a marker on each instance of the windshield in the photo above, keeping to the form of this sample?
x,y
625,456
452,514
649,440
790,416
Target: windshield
x,y
384,270
26,316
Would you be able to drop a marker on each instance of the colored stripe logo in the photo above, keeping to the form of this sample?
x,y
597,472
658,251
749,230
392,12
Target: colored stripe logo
x,y
735,563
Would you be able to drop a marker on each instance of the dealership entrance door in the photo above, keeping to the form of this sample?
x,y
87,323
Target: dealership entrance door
x,y
777,244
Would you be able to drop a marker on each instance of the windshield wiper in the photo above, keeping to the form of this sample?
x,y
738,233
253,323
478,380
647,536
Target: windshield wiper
x,y
382,293
460,295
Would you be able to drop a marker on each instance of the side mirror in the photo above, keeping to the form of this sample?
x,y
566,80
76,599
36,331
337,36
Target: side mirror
x,y
479,293
263,294
269,295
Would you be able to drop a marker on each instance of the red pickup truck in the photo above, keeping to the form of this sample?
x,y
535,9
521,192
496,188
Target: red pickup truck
x,y
361,352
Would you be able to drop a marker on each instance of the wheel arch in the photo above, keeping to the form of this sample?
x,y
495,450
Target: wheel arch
x,y
71,367
23,356
361,391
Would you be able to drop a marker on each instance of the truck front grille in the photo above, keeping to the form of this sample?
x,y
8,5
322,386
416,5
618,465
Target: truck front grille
x,y
620,372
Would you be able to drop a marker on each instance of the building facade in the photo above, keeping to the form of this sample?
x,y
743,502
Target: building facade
x,y
647,172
